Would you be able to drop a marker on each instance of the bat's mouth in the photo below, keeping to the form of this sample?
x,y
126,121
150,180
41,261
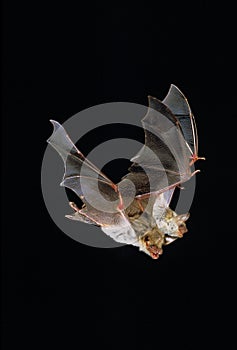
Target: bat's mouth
x,y
152,242
154,251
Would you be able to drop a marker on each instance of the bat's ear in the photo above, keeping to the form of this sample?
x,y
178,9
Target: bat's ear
x,y
182,217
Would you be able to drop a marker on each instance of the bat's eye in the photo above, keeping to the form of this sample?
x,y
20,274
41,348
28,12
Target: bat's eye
x,y
182,226
146,239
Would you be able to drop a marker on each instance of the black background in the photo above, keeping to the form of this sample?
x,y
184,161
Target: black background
x,y
59,59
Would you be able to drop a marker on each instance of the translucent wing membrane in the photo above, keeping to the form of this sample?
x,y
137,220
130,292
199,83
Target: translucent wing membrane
x,y
86,180
164,160
178,104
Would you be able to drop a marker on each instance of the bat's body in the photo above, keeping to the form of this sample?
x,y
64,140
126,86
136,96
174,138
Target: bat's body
x,y
136,210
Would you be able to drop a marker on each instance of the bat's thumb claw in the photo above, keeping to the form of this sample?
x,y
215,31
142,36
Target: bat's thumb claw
x,y
195,172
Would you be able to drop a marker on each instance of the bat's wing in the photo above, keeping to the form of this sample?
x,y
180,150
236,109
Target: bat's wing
x,y
122,232
83,177
178,104
77,167
101,197
164,161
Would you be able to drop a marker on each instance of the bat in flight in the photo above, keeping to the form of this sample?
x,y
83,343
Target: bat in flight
x,y
136,210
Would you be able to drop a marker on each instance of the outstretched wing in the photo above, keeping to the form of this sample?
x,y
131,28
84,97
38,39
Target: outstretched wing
x,y
83,177
101,197
164,160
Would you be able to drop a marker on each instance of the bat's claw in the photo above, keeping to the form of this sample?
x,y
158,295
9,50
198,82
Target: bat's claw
x,y
194,158
180,187
195,172
74,206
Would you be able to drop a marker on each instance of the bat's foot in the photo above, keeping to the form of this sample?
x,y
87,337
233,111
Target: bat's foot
x,y
180,187
74,206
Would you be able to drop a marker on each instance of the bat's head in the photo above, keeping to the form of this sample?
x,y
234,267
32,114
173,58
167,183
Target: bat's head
x,y
172,225
151,243
181,225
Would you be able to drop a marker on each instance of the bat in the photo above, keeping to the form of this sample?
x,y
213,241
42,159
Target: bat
x,y
136,210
